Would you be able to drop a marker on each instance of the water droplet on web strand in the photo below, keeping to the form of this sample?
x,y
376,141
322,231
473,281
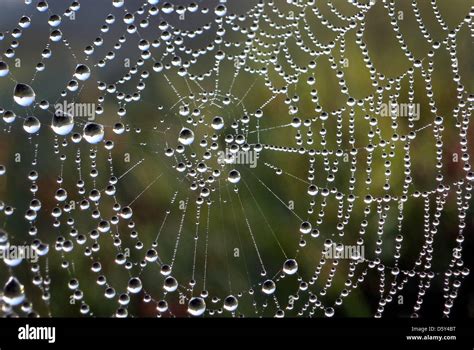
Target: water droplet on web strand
x,y
234,176
170,284
62,123
220,10
134,285
31,125
217,123
4,70
186,137
13,292
93,133
24,95
82,72
9,117
305,227
196,306
329,312
268,287
290,267
231,303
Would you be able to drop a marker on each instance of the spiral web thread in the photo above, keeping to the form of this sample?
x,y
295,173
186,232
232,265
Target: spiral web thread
x,y
242,84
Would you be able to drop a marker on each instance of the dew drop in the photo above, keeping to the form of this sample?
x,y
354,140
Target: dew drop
x,y
62,123
126,213
329,312
220,10
118,3
56,35
231,303
9,117
186,137
54,20
134,285
151,255
290,267
268,287
31,125
170,284
82,72
162,306
305,227
196,306
4,70
234,176
93,133
24,95
13,292
217,123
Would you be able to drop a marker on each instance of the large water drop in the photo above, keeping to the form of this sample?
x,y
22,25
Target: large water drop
x,y
231,303
82,72
24,95
290,267
4,70
234,176
220,10
93,133
217,123
196,306
186,137
13,292
268,287
134,285
62,123
31,125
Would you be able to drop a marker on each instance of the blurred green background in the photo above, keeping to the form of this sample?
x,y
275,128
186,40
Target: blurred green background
x,y
153,124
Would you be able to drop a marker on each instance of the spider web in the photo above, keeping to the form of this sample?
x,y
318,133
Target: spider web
x,y
233,147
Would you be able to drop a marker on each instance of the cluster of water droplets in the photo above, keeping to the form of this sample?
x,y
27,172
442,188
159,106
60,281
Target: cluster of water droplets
x,y
201,136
